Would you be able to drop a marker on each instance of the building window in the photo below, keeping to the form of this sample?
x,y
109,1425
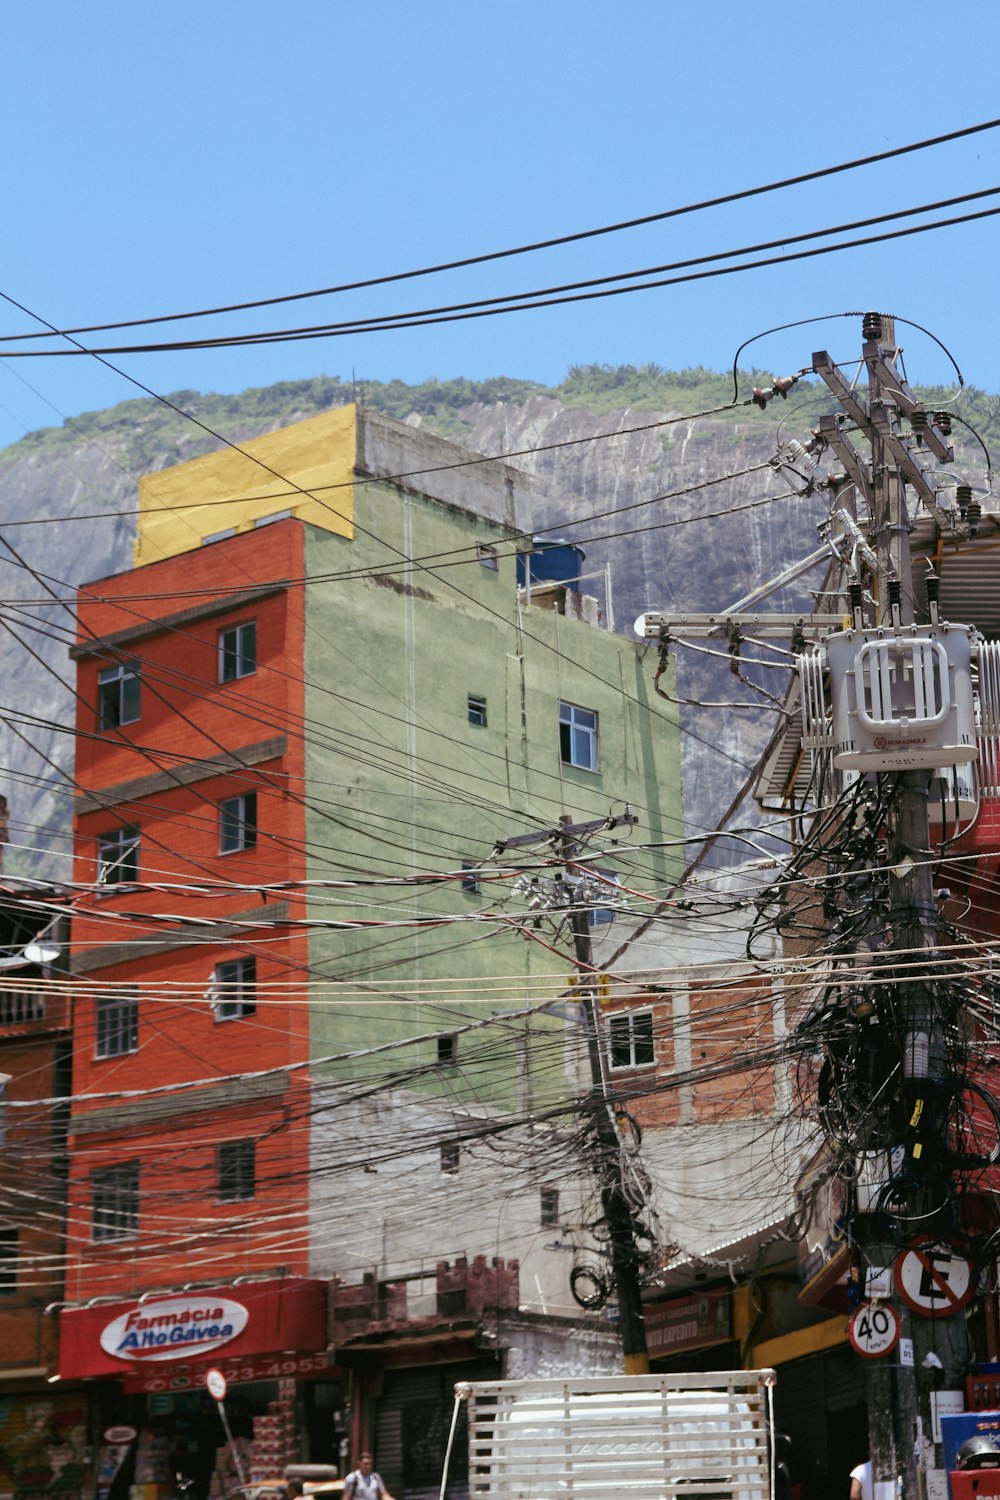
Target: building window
x,y
218,536
470,877
234,989
235,1171
449,1157
238,651
4,1106
117,1024
630,1036
447,1051
488,557
118,857
578,736
19,1006
115,1202
238,823
276,515
117,695
477,710
8,1259
548,1208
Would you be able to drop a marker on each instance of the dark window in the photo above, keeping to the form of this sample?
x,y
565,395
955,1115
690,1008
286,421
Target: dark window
x,y
449,1157
117,1024
488,556
235,1171
117,695
548,1206
477,710
115,1202
118,857
19,1006
8,1260
4,1106
578,736
234,989
447,1050
238,823
470,877
238,651
631,1039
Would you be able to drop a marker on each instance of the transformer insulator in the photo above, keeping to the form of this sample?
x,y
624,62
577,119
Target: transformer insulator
x,y
895,591
918,423
933,583
963,495
871,326
760,398
975,516
942,421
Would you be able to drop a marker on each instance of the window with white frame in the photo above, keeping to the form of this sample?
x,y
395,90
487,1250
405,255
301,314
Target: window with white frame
x,y
236,1171
114,1198
578,736
238,651
118,857
116,1023
477,710
630,1039
234,989
118,695
470,877
238,823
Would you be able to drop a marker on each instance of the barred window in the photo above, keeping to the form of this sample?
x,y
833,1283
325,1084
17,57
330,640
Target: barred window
x,y
18,1006
9,1248
548,1206
235,1171
117,1023
115,1202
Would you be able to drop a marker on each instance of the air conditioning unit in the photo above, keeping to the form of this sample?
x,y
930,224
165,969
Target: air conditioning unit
x,y
900,699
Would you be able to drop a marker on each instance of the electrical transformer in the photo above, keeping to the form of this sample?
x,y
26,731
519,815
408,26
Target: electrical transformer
x,y
900,698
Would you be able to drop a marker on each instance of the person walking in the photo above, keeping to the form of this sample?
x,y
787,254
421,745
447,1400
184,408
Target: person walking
x,y
363,1483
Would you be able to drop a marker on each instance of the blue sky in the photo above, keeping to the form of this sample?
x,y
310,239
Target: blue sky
x,y
158,159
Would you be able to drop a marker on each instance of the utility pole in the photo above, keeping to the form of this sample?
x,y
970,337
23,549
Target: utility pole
x,y
616,1204
899,1393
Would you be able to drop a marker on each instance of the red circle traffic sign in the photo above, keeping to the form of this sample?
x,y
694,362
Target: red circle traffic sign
x,y
215,1383
874,1329
934,1281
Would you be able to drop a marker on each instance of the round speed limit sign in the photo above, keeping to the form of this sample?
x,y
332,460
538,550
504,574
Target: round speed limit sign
x,y
215,1383
874,1329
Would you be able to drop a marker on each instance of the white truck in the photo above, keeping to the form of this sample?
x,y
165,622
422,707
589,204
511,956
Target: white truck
x,y
650,1437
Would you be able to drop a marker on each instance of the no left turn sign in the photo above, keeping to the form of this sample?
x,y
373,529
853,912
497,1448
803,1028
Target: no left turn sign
x,y
874,1329
933,1280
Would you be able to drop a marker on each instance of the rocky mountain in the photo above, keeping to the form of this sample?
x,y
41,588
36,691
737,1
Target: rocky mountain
x,y
660,476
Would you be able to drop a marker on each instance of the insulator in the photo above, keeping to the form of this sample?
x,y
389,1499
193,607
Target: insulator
x,y
856,595
975,516
942,421
963,495
933,583
895,591
918,422
871,326
781,387
760,398
797,454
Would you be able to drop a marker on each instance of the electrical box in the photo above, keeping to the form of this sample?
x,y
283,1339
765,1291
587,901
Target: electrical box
x,y
900,699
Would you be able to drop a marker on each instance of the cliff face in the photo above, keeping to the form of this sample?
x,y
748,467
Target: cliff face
x,y
670,509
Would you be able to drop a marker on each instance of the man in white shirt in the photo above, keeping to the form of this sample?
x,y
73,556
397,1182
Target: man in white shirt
x,y
861,1481
365,1484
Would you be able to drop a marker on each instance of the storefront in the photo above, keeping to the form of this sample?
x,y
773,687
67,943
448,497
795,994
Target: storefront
x,y
146,1362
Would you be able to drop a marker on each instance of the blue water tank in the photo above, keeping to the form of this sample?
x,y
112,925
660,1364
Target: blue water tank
x,y
552,561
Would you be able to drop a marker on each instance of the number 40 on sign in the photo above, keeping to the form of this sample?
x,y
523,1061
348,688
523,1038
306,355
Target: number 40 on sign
x,y
874,1329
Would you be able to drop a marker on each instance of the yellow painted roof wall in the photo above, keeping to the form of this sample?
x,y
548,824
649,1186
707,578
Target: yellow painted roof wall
x,y
307,468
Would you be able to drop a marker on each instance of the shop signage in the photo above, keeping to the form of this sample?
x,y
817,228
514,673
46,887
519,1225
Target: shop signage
x,y
172,1327
159,1379
687,1323
236,1323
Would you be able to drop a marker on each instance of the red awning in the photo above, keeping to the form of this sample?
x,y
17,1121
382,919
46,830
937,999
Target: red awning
x,y
193,1327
